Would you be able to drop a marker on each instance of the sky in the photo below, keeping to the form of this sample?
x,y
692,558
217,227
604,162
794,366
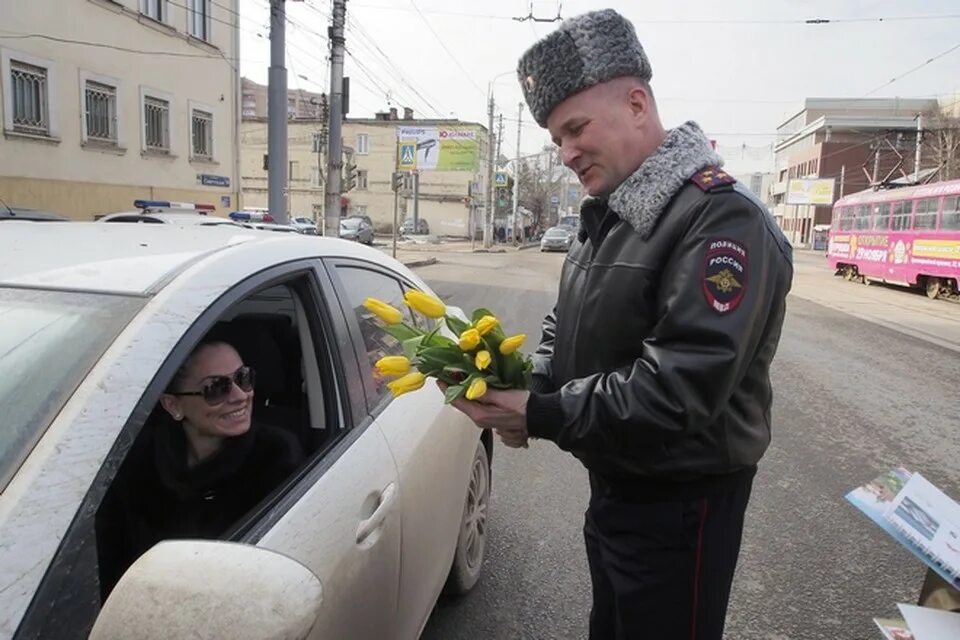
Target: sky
x,y
739,68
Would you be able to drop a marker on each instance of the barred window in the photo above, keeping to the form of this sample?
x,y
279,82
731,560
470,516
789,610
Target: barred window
x,y
101,108
156,118
29,89
202,126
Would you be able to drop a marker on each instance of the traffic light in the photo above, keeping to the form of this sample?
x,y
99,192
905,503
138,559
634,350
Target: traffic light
x,y
398,180
350,177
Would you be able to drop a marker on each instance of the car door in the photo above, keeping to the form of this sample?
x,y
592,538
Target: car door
x,y
337,513
342,518
432,443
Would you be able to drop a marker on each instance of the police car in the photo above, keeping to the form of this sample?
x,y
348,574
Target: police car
x,y
167,212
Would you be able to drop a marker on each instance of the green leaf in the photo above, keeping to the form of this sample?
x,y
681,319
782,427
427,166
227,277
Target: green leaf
x,y
456,325
479,313
447,355
440,341
453,392
402,332
411,346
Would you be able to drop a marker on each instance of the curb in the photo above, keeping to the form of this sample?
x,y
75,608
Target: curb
x,y
420,263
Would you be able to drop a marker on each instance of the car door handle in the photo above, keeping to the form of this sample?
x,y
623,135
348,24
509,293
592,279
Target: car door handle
x,y
366,527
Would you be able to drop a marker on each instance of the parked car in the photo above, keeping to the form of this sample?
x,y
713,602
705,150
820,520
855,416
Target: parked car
x,y
361,217
406,228
357,230
386,511
166,212
305,226
31,215
557,239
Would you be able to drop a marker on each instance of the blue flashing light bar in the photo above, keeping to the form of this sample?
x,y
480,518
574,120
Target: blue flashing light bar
x,y
166,204
250,216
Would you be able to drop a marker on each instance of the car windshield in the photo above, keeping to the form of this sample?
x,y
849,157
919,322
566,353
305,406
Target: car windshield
x,y
557,233
48,342
352,224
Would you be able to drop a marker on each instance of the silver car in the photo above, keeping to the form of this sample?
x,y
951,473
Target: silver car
x,y
387,509
556,239
356,229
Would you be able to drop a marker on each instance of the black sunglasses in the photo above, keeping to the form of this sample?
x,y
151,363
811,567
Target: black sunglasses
x,y
218,388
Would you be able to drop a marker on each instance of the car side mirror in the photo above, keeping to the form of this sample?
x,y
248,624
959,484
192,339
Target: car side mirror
x,y
201,589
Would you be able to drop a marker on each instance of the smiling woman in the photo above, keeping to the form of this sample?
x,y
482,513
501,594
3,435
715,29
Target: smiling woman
x,y
204,466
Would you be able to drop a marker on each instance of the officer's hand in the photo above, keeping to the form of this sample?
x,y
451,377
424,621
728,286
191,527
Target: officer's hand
x,y
503,411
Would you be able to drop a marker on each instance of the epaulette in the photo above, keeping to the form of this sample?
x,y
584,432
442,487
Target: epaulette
x,y
713,179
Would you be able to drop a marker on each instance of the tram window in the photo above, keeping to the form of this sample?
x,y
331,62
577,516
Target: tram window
x,y
925,218
863,217
951,214
902,212
881,216
846,219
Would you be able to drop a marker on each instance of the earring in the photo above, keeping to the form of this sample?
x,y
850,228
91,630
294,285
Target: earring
x,y
177,417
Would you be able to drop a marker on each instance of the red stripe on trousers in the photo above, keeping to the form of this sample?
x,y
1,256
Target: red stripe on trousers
x,y
696,575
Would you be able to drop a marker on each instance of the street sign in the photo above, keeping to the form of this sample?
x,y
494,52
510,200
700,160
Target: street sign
x,y
501,179
408,156
554,199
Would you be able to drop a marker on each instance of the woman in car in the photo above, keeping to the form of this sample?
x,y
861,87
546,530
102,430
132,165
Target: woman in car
x,y
201,464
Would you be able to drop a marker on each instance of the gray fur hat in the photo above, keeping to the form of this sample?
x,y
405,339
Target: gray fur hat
x,y
585,51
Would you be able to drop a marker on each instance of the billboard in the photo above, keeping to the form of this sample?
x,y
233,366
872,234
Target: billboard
x,y
437,149
811,191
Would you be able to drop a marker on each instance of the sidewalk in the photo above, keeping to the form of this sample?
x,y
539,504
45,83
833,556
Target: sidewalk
x,y
428,250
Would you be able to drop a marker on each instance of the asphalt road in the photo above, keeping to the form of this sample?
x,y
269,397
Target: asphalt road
x,y
857,391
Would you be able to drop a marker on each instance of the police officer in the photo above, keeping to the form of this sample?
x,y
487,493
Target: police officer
x,y
654,366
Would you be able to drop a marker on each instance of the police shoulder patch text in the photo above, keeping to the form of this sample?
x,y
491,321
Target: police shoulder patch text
x,y
724,274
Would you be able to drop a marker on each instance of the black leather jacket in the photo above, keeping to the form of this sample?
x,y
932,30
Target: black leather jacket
x,y
655,362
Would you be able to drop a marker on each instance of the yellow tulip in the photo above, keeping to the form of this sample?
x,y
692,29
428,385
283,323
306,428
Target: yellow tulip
x,y
424,304
390,315
469,340
476,389
511,344
393,365
482,360
486,324
406,384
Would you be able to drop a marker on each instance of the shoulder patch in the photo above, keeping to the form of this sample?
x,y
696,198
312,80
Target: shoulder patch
x,y
724,274
712,179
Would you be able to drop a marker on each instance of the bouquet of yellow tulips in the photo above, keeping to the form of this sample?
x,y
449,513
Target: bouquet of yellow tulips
x,y
482,357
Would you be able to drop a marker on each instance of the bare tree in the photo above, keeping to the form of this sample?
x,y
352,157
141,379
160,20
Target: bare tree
x,y
941,145
541,178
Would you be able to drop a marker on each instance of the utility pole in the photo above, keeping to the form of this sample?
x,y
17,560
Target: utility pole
x,y
916,160
516,181
843,177
331,210
277,191
516,167
876,166
488,214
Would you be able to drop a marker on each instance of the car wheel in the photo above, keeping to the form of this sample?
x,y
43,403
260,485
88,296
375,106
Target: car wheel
x,y
472,540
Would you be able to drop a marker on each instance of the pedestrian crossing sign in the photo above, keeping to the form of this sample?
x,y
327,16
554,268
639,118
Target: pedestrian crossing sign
x,y
408,156
500,179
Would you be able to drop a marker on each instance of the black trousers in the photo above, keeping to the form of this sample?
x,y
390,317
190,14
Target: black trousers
x,y
662,569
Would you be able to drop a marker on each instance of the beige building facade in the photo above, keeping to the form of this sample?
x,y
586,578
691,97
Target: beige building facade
x,y
151,111
372,146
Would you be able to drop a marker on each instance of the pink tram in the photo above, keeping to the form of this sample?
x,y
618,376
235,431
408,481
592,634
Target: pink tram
x,y
908,236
